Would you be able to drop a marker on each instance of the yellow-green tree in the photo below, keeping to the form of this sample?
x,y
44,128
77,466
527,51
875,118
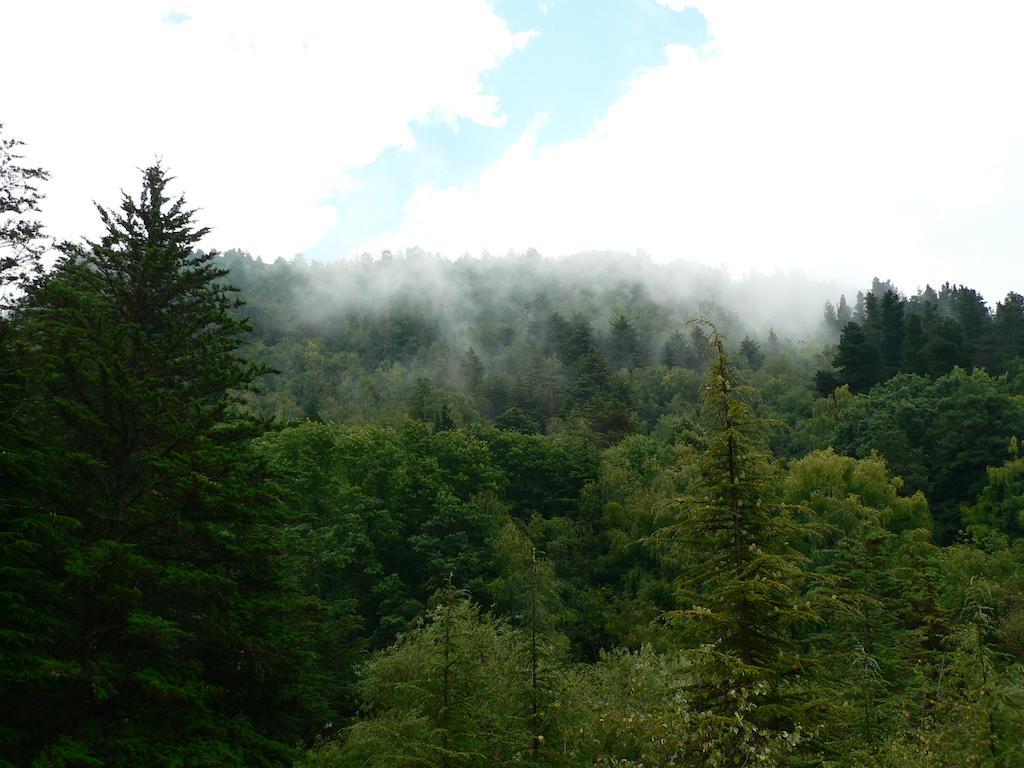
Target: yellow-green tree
x,y
747,695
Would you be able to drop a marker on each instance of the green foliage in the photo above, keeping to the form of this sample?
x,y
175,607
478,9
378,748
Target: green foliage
x,y
940,436
184,583
930,333
623,710
391,514
450,692
857,359
873,641
978,718
1001,502
20,232
750,351
748,695
180,636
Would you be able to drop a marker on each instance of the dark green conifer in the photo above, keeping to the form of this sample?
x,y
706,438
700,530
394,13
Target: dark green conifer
x,y
750,349
21,234
892,334
181,647
857,358
676,353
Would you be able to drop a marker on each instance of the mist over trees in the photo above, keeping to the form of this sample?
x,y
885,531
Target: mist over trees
x,y
408,511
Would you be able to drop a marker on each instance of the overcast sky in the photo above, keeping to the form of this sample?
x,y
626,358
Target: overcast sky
x,y
843,139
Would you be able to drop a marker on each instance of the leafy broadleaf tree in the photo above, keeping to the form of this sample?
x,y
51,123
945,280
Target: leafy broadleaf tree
x,y
186,643
748,700
449,693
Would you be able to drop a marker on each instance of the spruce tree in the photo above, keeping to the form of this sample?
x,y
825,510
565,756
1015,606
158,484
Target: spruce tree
x,y
676,352
183,646
748,701
32,604
527,590
20,231
915,359
624,348
892,334
857,358
750,349
843,312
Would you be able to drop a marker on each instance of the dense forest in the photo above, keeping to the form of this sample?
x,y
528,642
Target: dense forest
x,y
409,511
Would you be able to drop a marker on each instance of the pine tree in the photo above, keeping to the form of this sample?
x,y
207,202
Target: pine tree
x,y
181,644
915,359
527,590
980,703
35,532
750,349
945,348
701,345
748,701
1008,330
892,334
859,310
676,353
857,358
625,351
33,615
472,371
843,312
20,232
830,318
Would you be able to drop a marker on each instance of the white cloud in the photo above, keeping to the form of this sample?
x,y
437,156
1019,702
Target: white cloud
x,y
259,108
846,139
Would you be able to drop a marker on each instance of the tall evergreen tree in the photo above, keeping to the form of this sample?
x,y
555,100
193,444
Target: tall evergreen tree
x,y
472,371
893,334
1008,330
945,347
915,359
676,352
701,345
527,590
857,358
32,605
181,647
830,318
748,698
843,312
750,349
625,350
872,314
859,310
20,231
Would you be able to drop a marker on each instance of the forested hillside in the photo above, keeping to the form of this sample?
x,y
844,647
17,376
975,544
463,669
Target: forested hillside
x,y
407,511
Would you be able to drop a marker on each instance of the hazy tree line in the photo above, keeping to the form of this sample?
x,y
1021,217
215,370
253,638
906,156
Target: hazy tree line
x,y
523,517
552,345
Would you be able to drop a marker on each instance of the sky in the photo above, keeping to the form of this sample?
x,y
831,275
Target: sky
x,y
842,140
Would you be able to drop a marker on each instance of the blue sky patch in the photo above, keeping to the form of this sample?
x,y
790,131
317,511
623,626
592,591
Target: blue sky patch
x,y
581,60
176,17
